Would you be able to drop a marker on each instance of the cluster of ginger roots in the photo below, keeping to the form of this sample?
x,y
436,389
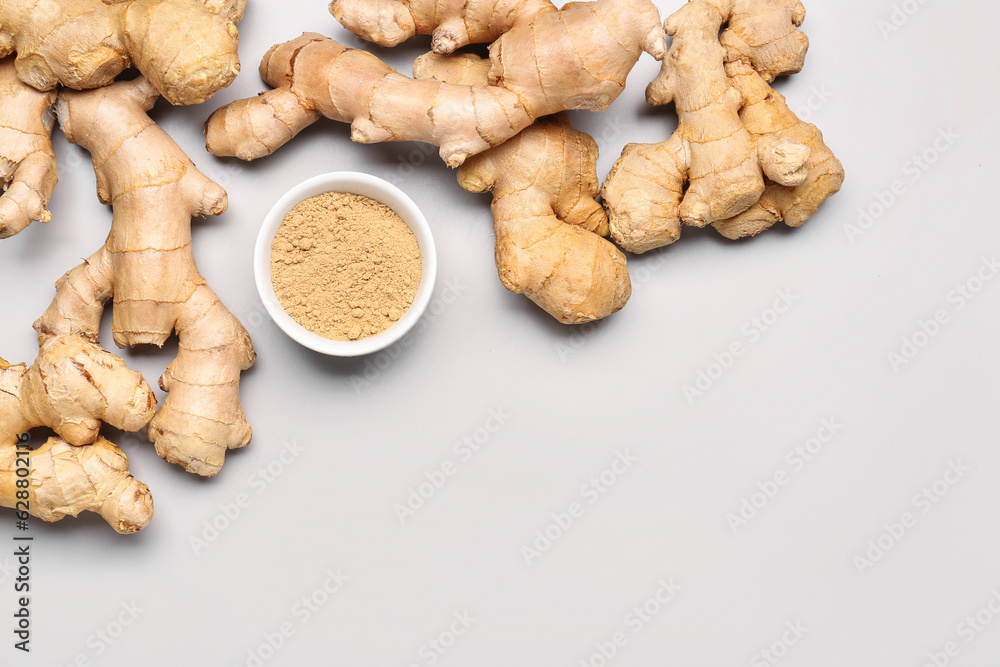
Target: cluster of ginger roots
x,y
740,161
61,58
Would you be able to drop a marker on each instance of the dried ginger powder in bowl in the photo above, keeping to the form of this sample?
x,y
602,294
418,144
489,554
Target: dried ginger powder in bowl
x,y
344,266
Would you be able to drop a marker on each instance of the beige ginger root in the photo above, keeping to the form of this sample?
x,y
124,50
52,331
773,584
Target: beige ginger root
x,y
187,49
146,266
547,222
27,163
764,113
452,23
547,61
72,387
715,166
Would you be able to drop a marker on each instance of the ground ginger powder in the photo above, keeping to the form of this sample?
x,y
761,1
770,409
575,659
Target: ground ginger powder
x,y
344,266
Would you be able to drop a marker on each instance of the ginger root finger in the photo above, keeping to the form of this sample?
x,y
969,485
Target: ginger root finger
x,y
642,194
572,274
65,480
548,224
354,86
72,387
184,48
765,35
27,163
385,22
766,113
201,417
452,23
258,125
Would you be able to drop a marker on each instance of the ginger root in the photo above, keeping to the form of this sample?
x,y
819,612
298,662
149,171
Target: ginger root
x,y
147,267
736,139
187,49
27,163
549,227
67,480
765,113
544,62
547,222
71,388
452,23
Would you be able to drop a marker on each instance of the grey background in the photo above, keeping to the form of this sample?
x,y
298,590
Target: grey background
x,y
574,398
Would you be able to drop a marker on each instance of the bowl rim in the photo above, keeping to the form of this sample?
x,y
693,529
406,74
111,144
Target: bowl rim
x,y
367,185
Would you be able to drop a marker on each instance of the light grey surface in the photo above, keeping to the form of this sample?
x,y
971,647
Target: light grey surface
x,y
574,398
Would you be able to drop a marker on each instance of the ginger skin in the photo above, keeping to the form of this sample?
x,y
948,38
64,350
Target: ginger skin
x,y
186,48
27,163
547,222
71,388
537,68
734,141
66,480
452,23
147,267
766,113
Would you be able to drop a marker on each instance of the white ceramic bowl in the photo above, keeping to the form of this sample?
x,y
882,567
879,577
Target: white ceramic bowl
x,y
359,184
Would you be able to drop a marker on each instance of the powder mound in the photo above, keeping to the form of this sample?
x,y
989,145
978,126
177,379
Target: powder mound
x,y
344,266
